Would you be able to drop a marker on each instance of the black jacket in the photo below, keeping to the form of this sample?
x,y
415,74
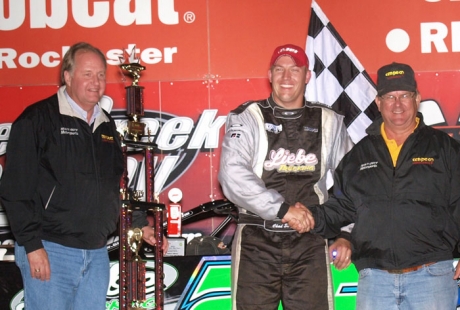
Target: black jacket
x,y
62,177
404,216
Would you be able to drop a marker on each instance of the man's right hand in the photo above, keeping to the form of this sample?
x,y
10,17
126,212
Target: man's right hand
x,y
39,264
299,218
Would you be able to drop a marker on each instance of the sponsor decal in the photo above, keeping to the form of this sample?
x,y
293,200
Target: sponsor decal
x,y
106,138
281,226
372,164
394,73
423,160
288,49
285,161
310,129
276,129
69,131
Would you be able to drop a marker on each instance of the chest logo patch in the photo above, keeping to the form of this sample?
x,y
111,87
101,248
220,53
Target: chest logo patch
x,y
310,129
108,139
422,160
286,162
369,165
69,131
273,128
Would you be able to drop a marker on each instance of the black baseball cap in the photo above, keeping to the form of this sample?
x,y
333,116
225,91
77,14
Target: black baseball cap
x,y
395,76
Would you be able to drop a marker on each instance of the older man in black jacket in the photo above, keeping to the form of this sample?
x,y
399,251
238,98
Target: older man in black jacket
x,y
400,185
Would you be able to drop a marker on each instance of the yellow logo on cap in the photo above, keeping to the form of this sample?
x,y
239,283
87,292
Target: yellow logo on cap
x,y
395,72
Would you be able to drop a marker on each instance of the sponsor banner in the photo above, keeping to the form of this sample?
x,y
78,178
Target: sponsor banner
x,y
200,39
174,39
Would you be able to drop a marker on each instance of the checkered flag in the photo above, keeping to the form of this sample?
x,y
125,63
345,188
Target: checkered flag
x,y
338,79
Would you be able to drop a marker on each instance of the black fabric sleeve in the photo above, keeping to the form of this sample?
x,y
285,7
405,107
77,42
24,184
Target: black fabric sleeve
x,y
284,208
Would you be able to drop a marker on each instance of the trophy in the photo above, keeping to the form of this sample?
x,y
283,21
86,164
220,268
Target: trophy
x,y
135,100
132,267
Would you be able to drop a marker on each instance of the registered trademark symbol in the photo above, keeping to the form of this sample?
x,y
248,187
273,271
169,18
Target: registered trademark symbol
x,y
189,17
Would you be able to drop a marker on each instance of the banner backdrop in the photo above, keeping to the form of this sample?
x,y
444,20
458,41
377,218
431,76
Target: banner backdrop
x,y
204,58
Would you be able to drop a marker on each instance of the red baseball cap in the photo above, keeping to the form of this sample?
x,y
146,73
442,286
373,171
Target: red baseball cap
x,y
295,52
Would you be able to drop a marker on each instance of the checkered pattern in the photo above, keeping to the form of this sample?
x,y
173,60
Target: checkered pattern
x,y
338,78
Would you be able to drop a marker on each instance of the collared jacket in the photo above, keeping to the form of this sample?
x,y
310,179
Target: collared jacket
x,y
404,216
273,156
62,177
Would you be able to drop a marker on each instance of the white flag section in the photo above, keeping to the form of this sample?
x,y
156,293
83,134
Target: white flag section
x,y
337,77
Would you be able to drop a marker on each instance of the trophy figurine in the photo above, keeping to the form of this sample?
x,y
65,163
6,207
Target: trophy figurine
x,y
136,270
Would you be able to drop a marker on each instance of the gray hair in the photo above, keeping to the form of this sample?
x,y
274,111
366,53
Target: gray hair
x,y
68,62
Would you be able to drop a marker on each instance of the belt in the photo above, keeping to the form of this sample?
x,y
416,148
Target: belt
x,y
409,269
271,225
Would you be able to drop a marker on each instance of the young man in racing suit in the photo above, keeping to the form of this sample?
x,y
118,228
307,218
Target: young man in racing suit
x,y
276,154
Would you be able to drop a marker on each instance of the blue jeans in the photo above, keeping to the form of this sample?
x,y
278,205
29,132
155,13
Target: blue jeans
x,y
79,279
431,287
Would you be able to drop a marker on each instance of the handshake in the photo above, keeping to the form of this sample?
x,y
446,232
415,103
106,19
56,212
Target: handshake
x,y
299,218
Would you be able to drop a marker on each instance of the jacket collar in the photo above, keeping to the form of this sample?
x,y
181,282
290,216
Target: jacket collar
x,y
280,112
66,109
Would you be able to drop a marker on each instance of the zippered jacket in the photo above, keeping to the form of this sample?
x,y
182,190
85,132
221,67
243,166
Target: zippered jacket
x,y
62,177
404,216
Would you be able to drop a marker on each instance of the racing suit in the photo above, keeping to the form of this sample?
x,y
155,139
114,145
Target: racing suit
x,y
405,215
272,158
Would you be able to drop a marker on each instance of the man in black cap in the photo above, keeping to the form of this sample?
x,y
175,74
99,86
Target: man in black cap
x,y
400,185
275,156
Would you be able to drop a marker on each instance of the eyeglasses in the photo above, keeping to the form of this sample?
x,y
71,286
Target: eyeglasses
x,y
404,98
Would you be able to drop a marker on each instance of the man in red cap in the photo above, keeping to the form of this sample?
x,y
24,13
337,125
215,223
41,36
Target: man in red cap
x,y
275,157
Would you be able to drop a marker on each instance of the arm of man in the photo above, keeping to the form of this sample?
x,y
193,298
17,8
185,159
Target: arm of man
x,y
148,233
455,197
241,165
339,211
39,265
340,253
18,191
331,216
19,183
